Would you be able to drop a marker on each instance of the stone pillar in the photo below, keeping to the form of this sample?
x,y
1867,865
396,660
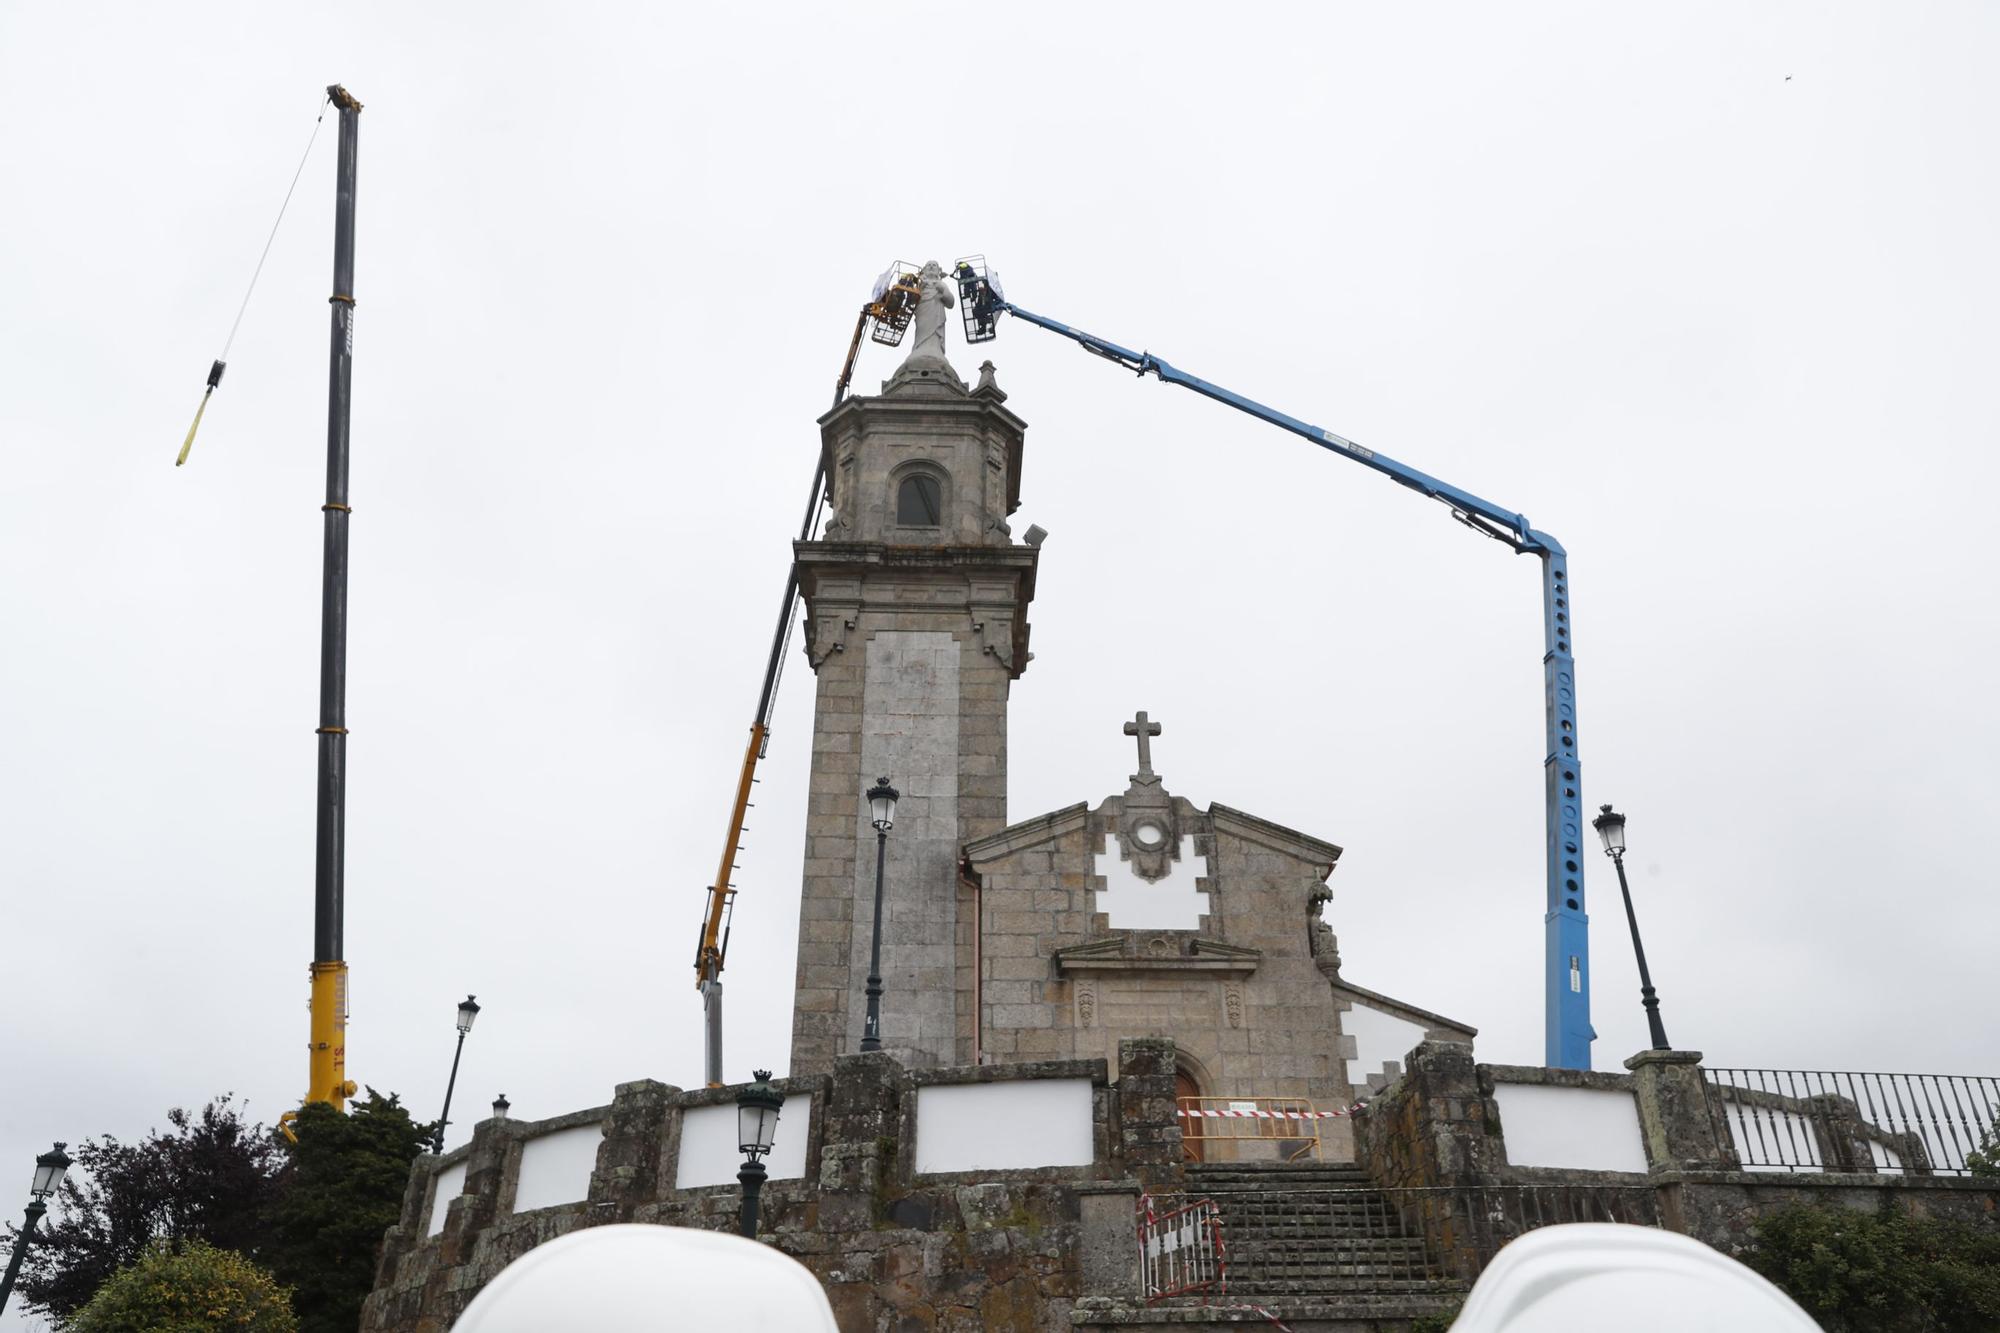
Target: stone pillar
x,y
1148,1143
1836,1127
1681,1131
1430,1127
1109,1214
476,1206
860,1140
628,1161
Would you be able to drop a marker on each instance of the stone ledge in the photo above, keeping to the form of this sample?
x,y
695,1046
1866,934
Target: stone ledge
x,y
1538,1076
1274,836
1424,1018
1829,1180
1644,1058
1098,1071
1028,833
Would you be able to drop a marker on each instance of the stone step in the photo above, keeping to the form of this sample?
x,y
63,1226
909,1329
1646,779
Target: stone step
x,y
1299,1241
1261,1183
1322,1219
1281,1187
1339,1287
1207,1185
1310,1310
1337,1219
1268,1170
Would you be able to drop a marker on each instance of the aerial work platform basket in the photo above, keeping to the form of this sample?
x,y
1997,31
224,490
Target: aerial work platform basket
x,y
893,303
979,298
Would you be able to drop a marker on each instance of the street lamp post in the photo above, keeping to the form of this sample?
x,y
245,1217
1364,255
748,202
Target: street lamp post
x,y
467,1011
756,1128
1610,826
49,1168
882,811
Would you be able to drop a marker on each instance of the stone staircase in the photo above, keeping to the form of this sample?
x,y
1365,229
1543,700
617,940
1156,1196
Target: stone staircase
x,y
1314,1230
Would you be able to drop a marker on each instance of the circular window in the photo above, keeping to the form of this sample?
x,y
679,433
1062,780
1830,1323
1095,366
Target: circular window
x,y
1148,834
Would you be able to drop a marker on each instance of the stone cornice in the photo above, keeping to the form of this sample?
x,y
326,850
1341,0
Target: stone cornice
x,y
1139,951
1409,1013
982,852
1274,836
867,557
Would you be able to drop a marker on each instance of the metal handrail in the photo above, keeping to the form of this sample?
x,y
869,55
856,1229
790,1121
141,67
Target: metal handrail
x,y
1845,1120
1395,1241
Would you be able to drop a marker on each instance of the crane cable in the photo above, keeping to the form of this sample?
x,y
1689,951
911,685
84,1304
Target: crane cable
x,y
221,362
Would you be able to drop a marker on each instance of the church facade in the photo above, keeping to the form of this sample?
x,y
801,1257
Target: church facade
x,y
1056,936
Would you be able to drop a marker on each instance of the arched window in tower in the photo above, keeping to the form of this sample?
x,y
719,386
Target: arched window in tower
x,y
919,502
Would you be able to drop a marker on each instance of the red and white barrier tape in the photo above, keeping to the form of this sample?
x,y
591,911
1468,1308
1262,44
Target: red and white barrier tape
x,y
1270,1115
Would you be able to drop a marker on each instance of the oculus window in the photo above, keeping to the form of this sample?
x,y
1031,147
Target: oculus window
x,y
919,502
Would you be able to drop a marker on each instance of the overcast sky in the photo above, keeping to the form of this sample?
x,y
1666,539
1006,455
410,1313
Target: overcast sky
x,y
1707,291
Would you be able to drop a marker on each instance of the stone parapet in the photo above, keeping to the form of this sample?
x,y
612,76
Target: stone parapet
x,y
964,1250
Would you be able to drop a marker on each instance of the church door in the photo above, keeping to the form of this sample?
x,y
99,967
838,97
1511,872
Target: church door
x,y
1187,1097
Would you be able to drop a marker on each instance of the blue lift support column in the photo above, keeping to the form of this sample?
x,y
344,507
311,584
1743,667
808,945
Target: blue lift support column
x,y
1567,1031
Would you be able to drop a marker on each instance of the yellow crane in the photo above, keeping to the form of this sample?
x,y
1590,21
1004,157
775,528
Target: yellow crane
x,y
885,316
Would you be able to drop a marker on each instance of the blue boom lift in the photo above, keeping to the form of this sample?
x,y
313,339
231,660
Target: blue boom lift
x,y
1567,1031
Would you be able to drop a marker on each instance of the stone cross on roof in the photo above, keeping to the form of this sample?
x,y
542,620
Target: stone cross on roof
x,y
1145,731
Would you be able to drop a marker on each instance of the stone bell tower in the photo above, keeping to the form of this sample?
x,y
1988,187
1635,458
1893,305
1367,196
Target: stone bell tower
x,y
916,603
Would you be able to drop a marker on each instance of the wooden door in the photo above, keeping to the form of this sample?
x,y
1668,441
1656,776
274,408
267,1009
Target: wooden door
x,y
1187,1096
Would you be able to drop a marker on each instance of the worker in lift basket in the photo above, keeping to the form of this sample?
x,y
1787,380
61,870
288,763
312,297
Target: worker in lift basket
x,y
650,1279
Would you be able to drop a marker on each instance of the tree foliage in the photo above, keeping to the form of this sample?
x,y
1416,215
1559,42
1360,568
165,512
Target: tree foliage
x,y
1985,1159
192,1287
341,1188
313,1212
209,1177
1858,1272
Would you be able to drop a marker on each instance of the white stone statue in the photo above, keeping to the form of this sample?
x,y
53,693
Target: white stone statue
x,y
936,298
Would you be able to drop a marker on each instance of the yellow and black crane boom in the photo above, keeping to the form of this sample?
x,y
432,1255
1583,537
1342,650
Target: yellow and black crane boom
x,y
713,948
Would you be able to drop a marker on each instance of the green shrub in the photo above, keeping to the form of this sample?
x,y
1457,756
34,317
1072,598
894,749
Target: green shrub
x,y
1859,1272
193,1289
1985,1160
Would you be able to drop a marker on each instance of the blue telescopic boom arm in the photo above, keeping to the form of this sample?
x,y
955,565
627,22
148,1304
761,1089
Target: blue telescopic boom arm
x,y
1567,1031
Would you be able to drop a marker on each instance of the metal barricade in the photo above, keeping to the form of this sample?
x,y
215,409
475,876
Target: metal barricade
x,y
1291,1124
1181,1249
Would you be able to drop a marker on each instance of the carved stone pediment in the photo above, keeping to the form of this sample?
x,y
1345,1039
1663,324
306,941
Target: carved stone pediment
x,y
1178,951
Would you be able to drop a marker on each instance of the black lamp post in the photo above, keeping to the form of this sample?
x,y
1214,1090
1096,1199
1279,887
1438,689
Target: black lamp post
x,y
501,1106
882,810
756,1127
1610,826
49,1168
467,1011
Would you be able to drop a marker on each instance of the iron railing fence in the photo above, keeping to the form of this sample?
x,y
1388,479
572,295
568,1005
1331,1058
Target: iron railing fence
x,y
1180,1248
1392,1241
1835,1120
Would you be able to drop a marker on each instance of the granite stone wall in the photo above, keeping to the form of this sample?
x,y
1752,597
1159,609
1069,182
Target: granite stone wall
x,y
1439,1125
897,1250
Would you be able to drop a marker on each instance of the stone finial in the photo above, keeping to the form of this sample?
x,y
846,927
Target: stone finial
x,y
987,387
